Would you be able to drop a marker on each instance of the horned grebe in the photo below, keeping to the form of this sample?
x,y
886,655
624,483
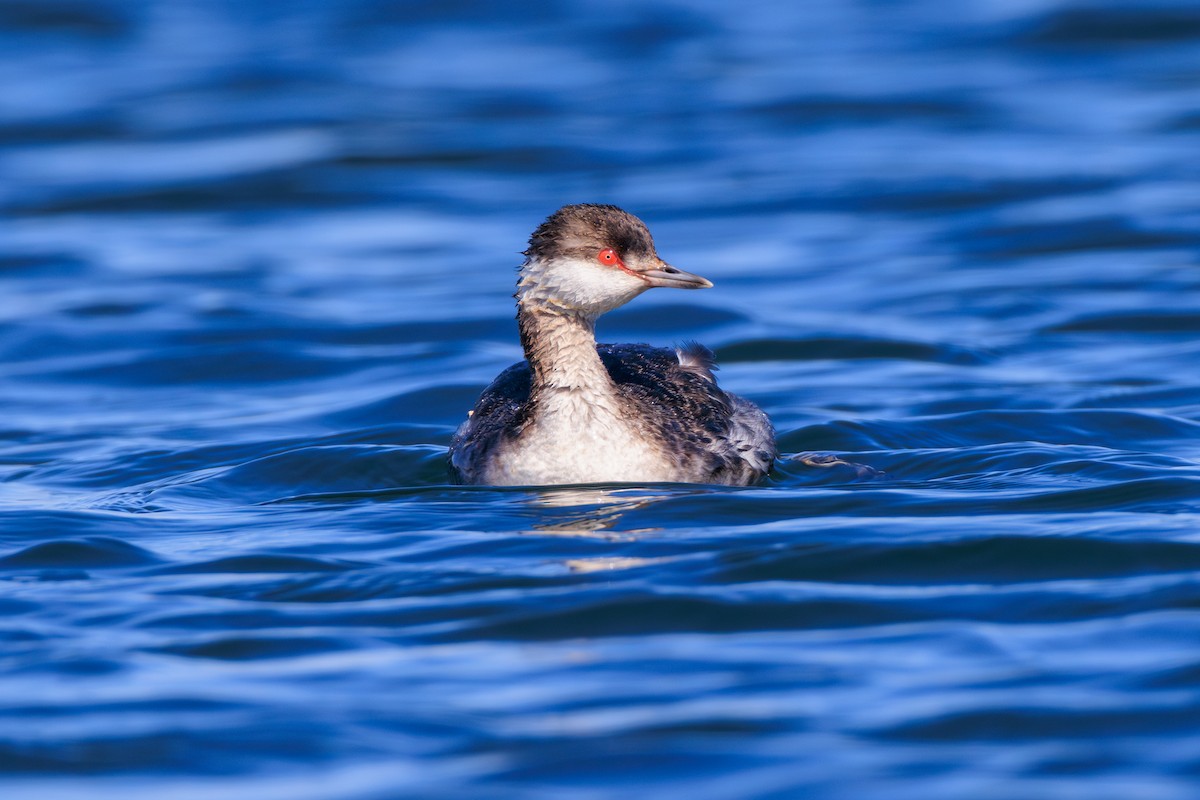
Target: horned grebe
x,y
578,412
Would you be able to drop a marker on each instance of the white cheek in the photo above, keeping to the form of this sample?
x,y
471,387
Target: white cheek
x,y
596,286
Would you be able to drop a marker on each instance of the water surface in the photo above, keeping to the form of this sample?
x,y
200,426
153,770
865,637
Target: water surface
x,y
256,264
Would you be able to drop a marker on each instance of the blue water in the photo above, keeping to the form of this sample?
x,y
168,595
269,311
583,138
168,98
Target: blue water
x,y
256,262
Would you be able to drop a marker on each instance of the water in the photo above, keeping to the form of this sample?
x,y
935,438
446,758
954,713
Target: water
x,y
256,264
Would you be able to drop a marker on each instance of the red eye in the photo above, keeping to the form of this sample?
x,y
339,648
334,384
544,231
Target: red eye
x,y
608,256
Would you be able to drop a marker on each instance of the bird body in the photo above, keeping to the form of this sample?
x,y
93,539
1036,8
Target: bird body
x,y
577,412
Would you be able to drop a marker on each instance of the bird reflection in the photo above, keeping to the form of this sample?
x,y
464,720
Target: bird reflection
x,y
588,511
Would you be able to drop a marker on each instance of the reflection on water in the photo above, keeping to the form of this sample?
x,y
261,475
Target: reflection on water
x,y
605,564
586,510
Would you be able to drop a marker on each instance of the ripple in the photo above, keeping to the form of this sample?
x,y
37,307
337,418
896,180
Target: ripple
x,y
317,470
89,20
1009,724
96,552
844,349
1116,26
1124,428
1103,234
254,648
245,365
1157,321
959,194
837,110
1000,559
260,563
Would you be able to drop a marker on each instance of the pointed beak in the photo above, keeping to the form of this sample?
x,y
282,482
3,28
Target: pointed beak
x,y
664,275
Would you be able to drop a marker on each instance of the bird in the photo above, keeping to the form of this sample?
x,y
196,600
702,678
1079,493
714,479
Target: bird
x,y
578,412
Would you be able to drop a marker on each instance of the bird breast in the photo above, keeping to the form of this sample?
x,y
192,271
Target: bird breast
x,y
579,437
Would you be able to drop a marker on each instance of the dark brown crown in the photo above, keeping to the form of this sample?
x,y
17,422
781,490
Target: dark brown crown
x,y
580,231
